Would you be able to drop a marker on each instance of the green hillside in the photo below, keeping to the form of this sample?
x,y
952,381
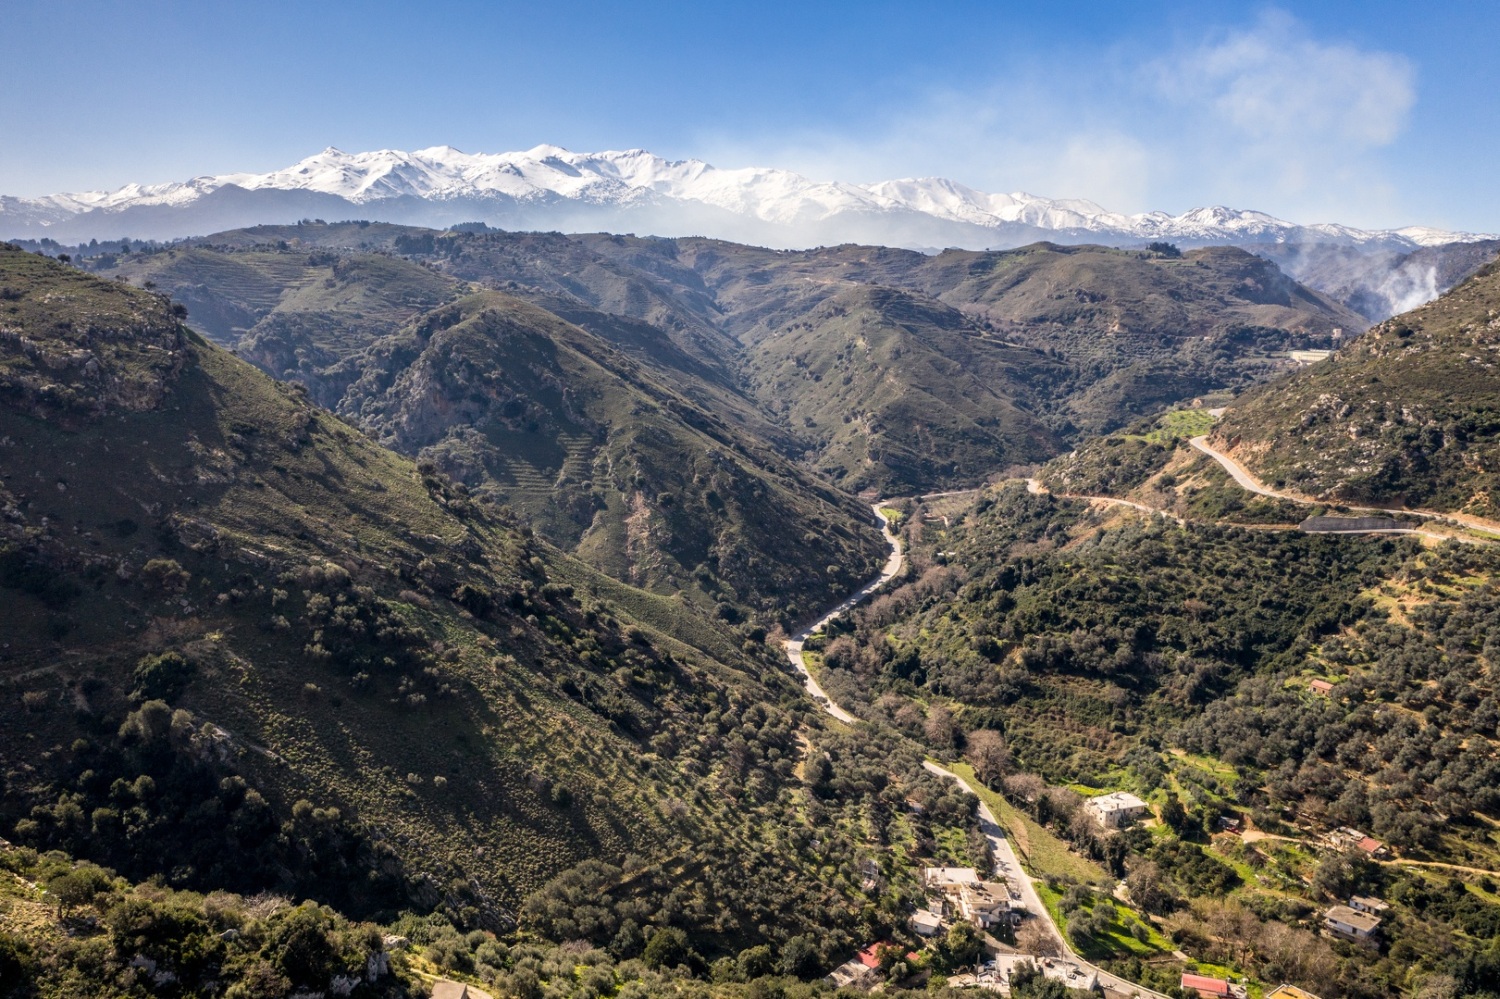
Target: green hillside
x,y
1407,414
606,460
1068,648
614,439
1078,340
897,393
1135,331
248,649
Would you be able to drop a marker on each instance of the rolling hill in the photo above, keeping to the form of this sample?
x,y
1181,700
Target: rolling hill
x,y
974,362
1407,414
624,439
246,648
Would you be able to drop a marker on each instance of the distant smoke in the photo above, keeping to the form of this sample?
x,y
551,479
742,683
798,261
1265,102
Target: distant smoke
x,y
1380,282
1408,287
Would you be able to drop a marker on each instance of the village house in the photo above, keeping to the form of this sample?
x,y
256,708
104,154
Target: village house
x,y
957,893
925,923
1208,988
1346,837
851,974
1058,970
1321,687
1351,924
1116,810
861,970
940,877
986,905
1367,903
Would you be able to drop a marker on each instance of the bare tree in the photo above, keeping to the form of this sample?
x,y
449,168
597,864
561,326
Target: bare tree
x,y
986,749
941,729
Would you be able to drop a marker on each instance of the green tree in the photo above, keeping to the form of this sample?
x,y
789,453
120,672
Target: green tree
x,y
162,677
961,946
165,576
667,948
72,889
756,962
18,966
799,957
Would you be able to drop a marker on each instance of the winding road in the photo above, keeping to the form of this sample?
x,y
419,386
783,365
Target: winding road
x,y
1007,863
1243,477
793,645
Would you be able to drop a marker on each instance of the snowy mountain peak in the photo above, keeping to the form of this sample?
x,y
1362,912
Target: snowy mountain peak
x,y
538,186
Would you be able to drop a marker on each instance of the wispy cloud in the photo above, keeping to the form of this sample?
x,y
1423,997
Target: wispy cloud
x,y
1263,115
1273,83
1271,110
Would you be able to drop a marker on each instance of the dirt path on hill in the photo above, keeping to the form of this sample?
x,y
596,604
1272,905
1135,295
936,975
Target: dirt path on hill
x,y
1249,482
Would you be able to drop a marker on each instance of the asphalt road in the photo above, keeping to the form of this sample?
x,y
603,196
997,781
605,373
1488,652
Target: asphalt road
x,y
893,566
1007,864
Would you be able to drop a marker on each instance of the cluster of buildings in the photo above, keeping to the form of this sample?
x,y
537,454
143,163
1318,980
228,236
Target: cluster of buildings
x,y
955,893
998,974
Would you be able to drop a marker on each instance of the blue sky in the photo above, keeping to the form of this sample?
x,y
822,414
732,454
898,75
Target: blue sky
x,y
1374,114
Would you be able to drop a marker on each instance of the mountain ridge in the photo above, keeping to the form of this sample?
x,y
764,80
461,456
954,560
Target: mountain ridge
x,y
637,179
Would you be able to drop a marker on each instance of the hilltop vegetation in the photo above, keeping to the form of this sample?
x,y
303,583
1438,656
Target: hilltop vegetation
x,y
1407,414
1067,648
1133,330
623,447
250,650
882,369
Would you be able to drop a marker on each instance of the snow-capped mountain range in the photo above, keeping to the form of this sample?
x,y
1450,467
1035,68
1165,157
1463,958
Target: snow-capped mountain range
x,y
552,188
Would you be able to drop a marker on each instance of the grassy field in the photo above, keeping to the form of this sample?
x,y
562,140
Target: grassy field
x,y
1180,423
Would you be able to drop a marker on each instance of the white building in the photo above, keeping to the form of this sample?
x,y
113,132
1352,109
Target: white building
x,y
941,877
1059,970
926,924
985,905
1351,924
1116,810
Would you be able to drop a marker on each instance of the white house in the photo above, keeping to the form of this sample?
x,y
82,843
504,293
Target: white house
x,y
1116,810
1351,924
926,924
940,877
1072,975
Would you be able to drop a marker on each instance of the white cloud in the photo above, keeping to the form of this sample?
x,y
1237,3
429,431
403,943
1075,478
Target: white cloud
x,y
1273,83
1264,116
1273,114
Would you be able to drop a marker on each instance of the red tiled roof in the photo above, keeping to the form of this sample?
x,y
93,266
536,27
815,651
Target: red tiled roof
x,y
868,958
1370,844
1205,985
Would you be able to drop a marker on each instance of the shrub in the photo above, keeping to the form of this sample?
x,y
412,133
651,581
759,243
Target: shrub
x,y
163,677
165,576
